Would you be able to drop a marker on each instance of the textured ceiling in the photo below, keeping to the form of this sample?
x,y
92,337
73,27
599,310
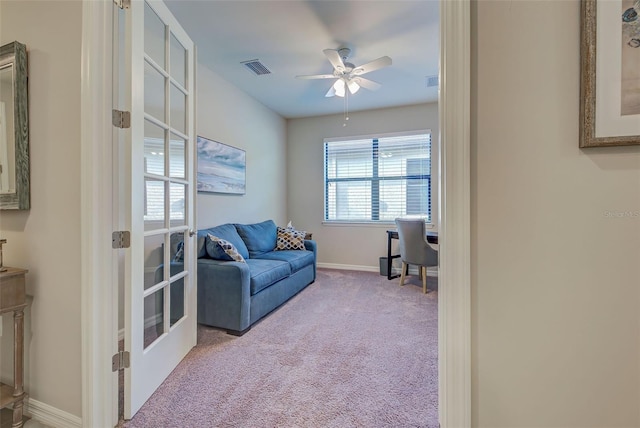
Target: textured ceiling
x,y
288,37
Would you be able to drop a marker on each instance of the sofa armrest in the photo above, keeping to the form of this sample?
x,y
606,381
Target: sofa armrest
x,y
223,294
311,245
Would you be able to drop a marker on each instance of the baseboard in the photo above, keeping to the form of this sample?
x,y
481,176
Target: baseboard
x,y
51,416
412,270
348,267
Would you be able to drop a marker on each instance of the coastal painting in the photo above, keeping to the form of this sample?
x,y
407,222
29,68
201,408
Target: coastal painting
x,y
610,97
630,95
221,168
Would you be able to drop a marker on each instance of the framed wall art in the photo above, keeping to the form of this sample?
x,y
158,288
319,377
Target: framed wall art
x,y
610,73
221,168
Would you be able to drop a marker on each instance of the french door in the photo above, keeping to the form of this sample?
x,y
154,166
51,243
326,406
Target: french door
x,y
157,196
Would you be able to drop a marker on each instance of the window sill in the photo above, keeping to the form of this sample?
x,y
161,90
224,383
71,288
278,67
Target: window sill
x,y
378,224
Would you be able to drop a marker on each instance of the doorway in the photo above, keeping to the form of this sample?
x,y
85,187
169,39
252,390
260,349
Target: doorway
x,y
99,333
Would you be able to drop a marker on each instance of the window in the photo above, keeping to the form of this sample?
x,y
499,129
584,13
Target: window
x,y
378,179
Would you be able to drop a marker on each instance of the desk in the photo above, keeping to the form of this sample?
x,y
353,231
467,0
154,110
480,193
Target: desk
x,y
432,238
14,299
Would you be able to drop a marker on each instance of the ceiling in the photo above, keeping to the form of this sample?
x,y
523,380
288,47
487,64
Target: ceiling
x,y
288,37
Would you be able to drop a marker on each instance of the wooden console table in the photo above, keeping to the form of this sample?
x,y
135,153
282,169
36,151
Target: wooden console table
x,y
13,298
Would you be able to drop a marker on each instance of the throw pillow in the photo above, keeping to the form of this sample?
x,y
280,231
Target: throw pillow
x,y
179,252
290,239
260,238
229,252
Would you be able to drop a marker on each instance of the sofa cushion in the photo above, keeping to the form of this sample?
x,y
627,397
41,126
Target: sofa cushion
x,y
266,272
259,238
290,239
220,249
228,233
297,259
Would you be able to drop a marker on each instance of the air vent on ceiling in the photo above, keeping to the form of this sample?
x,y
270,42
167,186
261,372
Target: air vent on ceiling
x,y
256,67
432,81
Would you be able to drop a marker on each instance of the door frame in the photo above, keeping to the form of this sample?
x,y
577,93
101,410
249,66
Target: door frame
x,y
98,295
99,299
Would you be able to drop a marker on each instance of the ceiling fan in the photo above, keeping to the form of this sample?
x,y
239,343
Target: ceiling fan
x,y
347,75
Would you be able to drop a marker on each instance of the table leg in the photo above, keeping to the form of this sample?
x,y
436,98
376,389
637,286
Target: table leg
x,y
18,371
388,256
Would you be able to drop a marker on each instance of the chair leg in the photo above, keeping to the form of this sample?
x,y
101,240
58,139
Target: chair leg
x,y
402,274
423,270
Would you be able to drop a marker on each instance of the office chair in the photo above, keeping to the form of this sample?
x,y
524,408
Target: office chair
x,y
414,248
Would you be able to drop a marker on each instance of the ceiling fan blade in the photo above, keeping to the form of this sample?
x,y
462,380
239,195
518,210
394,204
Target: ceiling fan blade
x,y
331,92
316,76
334,58
367,84
376,64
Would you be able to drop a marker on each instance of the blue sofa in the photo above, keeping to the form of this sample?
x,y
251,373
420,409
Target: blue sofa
x,y
234,295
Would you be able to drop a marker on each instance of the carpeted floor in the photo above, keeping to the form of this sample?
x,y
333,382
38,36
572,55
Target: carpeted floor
x,y
350,350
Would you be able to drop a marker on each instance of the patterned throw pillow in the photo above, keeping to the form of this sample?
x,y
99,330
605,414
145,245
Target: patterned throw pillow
x,y
228,248
179,252
290,239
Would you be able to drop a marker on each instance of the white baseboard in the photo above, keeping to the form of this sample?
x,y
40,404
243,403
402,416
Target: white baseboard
x,y
348,267
51,416
412,270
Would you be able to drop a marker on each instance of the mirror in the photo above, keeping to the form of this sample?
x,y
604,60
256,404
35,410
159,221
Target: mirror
x,y
14,128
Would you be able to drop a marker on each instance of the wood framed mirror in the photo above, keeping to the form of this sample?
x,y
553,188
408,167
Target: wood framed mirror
x,y
14,128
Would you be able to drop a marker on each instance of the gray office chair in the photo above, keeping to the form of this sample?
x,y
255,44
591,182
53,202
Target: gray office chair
x,y
414,248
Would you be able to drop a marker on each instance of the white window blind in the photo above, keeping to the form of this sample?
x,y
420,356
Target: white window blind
x,y
378,179
155,188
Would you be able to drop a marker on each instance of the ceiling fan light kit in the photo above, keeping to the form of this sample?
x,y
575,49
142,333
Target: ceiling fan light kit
x,y
340,86
348,75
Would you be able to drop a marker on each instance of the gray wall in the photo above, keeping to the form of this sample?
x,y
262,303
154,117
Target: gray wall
x,y
46,239
357,246
230,116
555,278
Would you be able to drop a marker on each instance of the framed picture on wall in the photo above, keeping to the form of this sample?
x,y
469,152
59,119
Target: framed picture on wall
x,y
221,168
610,73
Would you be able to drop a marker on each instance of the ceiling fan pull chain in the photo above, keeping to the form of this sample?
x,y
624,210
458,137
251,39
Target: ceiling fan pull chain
x,y
346,108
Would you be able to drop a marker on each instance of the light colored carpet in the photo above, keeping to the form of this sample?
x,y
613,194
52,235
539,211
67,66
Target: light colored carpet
x,y
350,350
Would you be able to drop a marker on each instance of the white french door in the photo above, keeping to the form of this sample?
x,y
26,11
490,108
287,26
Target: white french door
x,y
158,184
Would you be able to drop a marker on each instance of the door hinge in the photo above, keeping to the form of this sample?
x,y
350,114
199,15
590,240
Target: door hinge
x,y
123,4
121,119
120,361
121,239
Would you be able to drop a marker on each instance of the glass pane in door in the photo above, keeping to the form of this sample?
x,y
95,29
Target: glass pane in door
x,y
153,148
178,112
154,36
153,317
177,208
154,195
154,92
177,301
178,61
153,260
177,156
